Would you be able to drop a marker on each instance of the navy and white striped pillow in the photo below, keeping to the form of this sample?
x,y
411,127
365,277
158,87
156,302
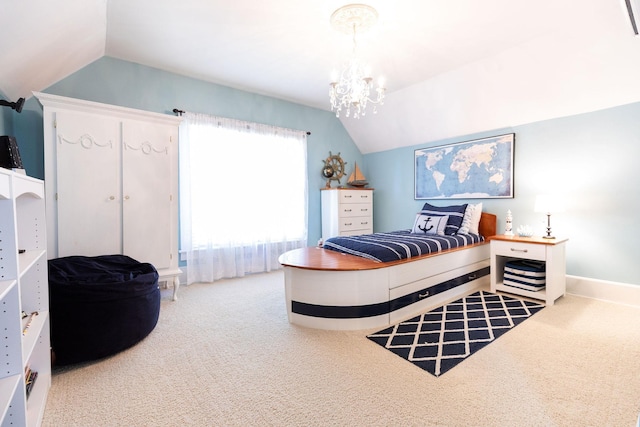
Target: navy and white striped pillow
x,y
455,212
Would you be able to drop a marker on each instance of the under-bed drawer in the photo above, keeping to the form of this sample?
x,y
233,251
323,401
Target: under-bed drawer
x,y
434,266
411,293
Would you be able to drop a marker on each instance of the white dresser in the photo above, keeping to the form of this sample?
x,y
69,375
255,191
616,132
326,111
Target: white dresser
x,y
346,211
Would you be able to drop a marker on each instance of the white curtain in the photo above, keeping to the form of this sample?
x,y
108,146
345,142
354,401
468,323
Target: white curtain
x,y
243,196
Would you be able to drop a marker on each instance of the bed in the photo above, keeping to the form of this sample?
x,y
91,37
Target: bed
x,y
326,289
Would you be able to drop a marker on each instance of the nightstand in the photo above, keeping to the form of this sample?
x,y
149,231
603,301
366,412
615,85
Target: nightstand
x,y
551,251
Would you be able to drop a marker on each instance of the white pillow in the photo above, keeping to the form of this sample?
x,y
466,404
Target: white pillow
x,y
471,219
430,224
466,219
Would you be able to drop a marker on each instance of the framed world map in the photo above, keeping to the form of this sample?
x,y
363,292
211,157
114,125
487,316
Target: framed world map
x,y
477,169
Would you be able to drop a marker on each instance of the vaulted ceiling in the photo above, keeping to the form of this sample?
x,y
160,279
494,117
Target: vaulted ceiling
x,y
452,67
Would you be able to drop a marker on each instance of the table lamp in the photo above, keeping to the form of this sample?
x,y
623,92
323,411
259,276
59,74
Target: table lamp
x,y
548,204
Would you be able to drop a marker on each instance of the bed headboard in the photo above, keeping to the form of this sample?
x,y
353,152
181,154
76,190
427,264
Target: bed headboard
x,y
488,224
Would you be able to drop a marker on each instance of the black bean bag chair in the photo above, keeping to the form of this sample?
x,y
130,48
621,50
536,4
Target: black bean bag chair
x,y
100,305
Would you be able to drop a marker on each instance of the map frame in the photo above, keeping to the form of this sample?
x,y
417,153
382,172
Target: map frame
x,y
498,186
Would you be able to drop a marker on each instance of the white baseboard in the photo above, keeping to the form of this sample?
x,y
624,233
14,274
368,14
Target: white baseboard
x,y
616,292
183,276
620,293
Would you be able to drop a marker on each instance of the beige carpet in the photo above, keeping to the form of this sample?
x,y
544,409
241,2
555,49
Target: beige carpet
x,y
225,355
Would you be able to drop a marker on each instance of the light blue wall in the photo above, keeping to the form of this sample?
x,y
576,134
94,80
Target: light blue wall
x,y
117,82
6,118
591,159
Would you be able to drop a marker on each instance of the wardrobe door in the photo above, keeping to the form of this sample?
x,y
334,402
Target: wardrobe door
x,y
88,192
147,191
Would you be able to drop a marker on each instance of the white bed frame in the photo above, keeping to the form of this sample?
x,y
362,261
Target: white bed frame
x,y
329,290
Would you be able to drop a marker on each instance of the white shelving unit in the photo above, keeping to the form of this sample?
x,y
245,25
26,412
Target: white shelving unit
x,y
24,288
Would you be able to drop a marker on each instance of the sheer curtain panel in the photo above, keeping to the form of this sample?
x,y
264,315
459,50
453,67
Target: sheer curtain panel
x,y
243,196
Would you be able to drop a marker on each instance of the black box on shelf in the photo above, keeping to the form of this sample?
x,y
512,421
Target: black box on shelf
x,y
9,153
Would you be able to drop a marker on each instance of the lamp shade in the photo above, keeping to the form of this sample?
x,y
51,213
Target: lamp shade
x,y
546,203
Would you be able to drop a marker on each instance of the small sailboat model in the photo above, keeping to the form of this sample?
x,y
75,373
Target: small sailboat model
x,y
357,179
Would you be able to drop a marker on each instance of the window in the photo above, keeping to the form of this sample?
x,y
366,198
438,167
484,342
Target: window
x,y
243,195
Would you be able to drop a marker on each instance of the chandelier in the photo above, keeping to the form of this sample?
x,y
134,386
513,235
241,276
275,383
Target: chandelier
x,y
351,89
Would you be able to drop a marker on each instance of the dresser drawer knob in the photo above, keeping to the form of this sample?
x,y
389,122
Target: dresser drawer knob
x,y
426,294
519,250
472,277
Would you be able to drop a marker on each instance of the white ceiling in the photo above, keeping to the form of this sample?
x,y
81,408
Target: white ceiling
x,y
452,67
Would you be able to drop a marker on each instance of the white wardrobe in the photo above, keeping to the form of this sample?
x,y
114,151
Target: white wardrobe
x,y
111,182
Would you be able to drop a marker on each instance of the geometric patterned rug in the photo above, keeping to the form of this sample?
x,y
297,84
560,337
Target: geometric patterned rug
x,y
440,339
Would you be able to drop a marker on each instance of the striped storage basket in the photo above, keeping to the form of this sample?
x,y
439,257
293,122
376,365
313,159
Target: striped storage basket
x,y
525,274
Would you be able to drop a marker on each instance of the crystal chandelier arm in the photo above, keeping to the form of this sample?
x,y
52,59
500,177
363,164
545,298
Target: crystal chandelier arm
x,y
352,88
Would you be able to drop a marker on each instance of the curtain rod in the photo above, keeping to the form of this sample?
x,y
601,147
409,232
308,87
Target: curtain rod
x,y
181,112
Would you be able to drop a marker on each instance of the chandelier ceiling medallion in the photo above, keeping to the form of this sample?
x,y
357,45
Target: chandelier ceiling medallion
x,y
351,89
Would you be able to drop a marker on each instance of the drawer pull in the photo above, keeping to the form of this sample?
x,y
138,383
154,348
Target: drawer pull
x,y
473,277
519,250
347,196
426,294
364,223
363,210
347,210
348,223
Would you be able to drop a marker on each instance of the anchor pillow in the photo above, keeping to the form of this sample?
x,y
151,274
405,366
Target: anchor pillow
x,y
455,212
430,224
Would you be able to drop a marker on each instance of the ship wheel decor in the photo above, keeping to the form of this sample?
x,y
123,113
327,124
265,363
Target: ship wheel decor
x,y
333,168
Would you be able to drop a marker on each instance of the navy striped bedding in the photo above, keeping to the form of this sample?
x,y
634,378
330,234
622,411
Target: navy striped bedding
x,y
397,245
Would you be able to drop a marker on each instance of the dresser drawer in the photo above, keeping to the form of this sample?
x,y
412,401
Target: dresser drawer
x,y
519,250
362,224
355,196
347,210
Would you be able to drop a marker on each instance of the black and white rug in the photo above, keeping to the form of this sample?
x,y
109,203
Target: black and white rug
x,y
440,339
